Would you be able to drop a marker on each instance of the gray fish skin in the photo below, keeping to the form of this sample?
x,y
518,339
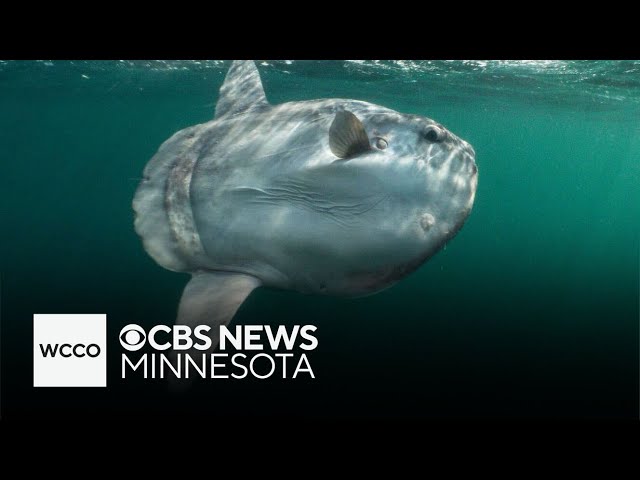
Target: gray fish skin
x,y
258,192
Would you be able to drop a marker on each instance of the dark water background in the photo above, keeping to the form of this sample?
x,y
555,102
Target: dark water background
x,y
531,311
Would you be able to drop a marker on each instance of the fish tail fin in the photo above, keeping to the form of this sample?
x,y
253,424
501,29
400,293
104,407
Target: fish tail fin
x,y
163,216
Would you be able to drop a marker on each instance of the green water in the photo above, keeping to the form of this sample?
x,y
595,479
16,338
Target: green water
x,y
531,311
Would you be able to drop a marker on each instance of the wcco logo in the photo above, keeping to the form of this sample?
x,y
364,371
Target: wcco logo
x,y
79,350
69,350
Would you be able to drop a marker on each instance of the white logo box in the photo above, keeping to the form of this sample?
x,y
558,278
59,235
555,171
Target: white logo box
x,y
80,345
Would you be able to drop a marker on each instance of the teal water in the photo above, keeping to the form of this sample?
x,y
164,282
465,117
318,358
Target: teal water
x,y
530,311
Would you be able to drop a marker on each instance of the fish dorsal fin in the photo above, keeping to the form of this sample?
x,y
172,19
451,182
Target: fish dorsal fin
x,y
347,136
242,89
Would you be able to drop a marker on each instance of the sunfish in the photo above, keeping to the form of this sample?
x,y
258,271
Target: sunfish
x,y
333,197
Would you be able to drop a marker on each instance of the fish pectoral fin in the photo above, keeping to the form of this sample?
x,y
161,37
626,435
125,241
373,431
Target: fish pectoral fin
x,y
242,89
212,298
347,135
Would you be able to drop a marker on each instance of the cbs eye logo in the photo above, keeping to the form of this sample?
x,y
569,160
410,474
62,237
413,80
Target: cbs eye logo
x,y
132,337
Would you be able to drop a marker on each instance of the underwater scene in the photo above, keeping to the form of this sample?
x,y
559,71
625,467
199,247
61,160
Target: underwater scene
x,y
463,235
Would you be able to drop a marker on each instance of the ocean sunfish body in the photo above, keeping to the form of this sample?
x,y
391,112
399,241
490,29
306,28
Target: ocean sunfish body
x,y
335,197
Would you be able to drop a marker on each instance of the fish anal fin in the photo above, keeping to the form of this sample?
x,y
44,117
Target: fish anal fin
x,y
212,299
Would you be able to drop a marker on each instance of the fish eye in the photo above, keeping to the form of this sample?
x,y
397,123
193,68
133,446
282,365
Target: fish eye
x,y
434,134
381,143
